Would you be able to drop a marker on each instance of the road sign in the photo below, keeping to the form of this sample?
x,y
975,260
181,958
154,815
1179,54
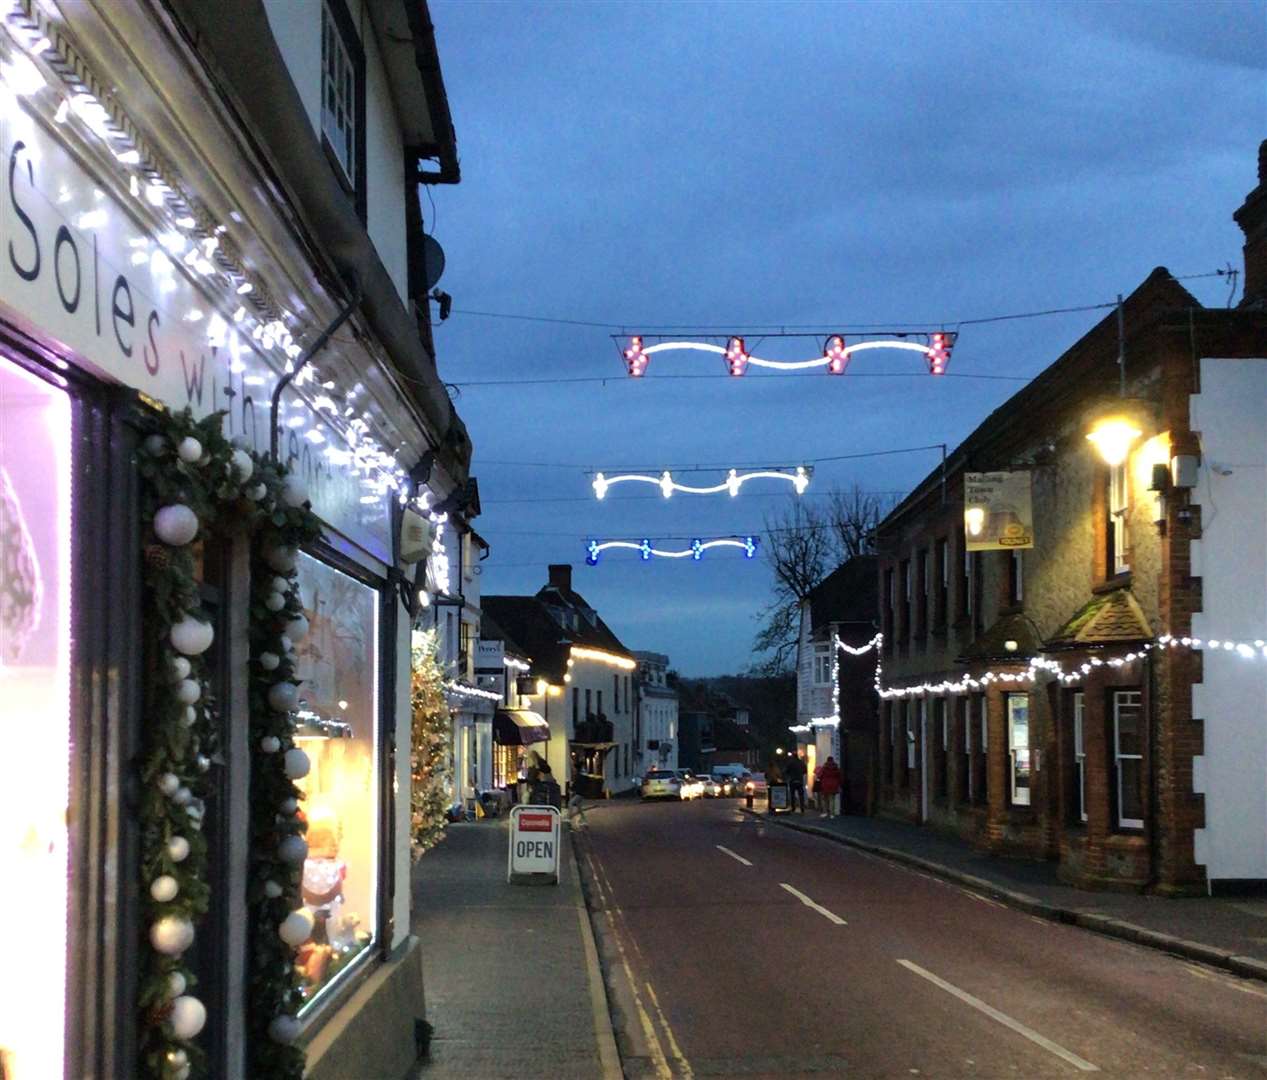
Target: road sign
x,y
534,842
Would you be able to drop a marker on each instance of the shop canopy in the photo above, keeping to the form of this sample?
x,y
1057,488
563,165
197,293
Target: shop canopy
x,y
519,727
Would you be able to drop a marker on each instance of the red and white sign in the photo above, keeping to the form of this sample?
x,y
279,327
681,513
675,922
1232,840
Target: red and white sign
x,y
534,842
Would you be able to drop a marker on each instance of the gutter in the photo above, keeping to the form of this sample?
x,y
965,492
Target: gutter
x,y
235,43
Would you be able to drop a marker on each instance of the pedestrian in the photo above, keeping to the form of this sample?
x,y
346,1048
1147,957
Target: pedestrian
x,y
796,782
815,790
829,787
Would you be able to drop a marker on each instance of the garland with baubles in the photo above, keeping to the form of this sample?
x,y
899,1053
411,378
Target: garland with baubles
x,y
197,484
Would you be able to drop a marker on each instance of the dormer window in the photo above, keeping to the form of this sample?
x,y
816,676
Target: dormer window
x,y
343,99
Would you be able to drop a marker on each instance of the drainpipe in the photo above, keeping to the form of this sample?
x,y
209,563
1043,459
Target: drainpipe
x,y
304,358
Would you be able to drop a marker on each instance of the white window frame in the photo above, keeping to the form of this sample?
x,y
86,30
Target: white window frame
x,y
1135,700
967,743
1020,797
1080,751
910,715
1119,510
339,127
822,665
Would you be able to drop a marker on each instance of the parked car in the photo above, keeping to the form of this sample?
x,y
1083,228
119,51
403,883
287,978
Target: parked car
x,y
661,784
692,788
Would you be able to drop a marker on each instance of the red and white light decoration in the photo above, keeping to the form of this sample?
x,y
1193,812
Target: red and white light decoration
x,y
935,347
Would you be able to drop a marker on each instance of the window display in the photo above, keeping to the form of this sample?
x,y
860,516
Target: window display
x,y
35,691
337,727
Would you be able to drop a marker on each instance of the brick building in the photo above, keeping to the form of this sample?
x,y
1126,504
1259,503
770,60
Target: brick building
x,y
1026,704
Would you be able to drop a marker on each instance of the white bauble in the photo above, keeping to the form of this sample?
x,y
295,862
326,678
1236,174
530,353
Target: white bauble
x,y
289,806
242,465
275,601
296,928
155,445
180,1074
178,849
269,661
172,935
287,644
164,888
256,492
175,525
188,691
192,636
296,763
270,744
283,1029
178,668
281,584
187,1017
176,984
168,784
297,628
182,796
282,696
281,559
190,716
293,849
203,762
272,890
189,450
294,492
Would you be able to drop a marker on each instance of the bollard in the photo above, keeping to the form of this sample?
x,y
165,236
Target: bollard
x,y
748,788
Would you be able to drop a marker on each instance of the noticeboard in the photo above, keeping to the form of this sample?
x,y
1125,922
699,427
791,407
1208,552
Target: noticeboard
x,y
534,843
778,796
997,511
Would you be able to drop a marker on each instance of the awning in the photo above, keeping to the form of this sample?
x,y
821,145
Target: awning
x,y
519,727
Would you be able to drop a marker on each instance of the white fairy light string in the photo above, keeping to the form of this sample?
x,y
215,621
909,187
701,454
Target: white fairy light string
x,y
646,550
735,480
835,355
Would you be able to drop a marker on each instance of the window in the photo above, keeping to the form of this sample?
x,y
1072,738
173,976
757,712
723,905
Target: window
x,y
983,752
905,630
965,780
576,705
1018,747
1015,578
910,735
589,704
338,728
343,97
978,594
615,693
965,587
890,631
599,707
35,664
941,763
1128,720
941,614
1079,755
925,592
1117,557
822,665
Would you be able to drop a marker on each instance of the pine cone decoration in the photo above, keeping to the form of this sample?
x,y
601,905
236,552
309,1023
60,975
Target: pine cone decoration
x,y
157,557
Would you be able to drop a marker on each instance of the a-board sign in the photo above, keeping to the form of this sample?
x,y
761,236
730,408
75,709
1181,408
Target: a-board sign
x,y
778,796
534,842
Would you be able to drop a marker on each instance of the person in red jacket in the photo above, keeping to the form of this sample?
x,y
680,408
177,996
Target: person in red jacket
x,y
829,787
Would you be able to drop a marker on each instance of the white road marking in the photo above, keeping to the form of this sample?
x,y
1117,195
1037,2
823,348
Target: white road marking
x,y
810,904
1007,1021
737,858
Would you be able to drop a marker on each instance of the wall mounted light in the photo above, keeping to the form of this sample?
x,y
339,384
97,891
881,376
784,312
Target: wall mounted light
x,y
1113,437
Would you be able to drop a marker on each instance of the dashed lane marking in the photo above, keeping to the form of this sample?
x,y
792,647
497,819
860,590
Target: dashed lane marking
x,y
811,904
737,858
1007,1021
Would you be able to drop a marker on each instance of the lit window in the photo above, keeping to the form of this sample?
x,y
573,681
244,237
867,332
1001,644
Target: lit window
x,y
1018,747
337,663
1118,561
1079,754
1129,758
338,95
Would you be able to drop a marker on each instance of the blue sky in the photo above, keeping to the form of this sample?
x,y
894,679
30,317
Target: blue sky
x,y
798,164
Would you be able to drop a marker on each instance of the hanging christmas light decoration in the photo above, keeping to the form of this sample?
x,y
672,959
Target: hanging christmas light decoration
x,y
837,351
798,478
646,550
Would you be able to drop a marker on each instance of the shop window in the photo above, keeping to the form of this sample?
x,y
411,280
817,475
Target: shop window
x,y
822,665
1079,756
1128,731
1117,559
337,726
35,608
1018,748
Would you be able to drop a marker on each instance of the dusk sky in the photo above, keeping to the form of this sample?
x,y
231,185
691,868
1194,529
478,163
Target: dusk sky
x,y
754,166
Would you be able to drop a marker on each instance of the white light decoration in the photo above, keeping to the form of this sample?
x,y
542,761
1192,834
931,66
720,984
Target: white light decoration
x,y
735,480
583,652
515,665
594,548
935,349
462,690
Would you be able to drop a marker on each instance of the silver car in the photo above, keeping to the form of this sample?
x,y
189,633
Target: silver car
x,y
661,784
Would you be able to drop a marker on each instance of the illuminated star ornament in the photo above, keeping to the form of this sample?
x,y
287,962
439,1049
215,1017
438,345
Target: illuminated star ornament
x,y
798,478
934,346
646,550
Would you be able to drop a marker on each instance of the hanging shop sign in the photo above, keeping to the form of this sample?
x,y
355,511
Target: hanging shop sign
x,y
997,511
77,267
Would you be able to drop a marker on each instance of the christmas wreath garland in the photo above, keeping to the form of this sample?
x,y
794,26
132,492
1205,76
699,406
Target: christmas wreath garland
x,y
196,483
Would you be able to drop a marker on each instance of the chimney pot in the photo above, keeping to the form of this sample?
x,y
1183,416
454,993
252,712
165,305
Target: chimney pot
x,y
561,576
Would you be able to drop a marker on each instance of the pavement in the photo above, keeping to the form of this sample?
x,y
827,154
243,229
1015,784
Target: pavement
x,y
737,947
1227,932
513,984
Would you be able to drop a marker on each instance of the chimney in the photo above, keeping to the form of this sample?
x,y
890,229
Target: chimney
x,y
561,576
1252,218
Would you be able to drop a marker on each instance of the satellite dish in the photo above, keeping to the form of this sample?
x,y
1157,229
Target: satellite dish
x,y
432,261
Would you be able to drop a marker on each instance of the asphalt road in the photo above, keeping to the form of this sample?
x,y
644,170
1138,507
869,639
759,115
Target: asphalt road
x,y
733,947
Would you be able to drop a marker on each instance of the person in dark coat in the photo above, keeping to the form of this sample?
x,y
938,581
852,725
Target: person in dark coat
x,y
796,782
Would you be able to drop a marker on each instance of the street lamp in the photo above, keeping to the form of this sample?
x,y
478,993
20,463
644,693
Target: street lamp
x,y
1112,436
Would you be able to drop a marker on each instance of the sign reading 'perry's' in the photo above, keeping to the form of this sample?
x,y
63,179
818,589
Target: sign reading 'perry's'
x,y
997,511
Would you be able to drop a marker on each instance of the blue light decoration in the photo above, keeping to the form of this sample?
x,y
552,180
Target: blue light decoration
x,y
749,545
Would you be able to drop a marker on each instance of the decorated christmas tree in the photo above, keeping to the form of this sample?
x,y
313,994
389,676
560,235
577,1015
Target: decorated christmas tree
x,y
429,747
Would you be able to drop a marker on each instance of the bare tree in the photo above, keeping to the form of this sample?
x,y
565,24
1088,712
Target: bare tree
x,y
854,515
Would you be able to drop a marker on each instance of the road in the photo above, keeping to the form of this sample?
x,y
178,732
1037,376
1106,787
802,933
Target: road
x,y
734,947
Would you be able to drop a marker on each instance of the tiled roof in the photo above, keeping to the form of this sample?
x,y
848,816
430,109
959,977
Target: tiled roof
x,y
1107,618
528,621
